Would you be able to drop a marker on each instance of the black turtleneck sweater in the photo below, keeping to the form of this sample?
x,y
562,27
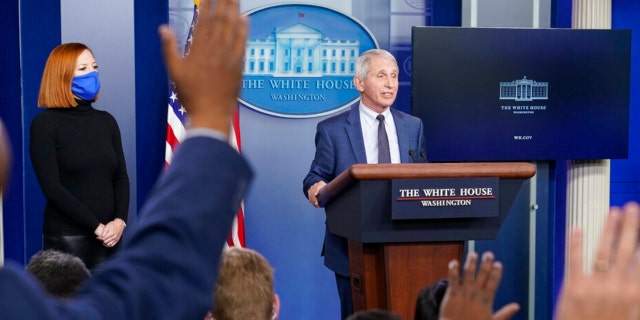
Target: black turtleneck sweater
x,y
78,159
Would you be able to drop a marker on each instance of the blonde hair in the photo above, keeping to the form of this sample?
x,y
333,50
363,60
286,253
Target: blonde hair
x,y
244,289
55,86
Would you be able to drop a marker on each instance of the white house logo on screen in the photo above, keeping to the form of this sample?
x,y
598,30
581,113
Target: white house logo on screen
x,y
524,90
300,60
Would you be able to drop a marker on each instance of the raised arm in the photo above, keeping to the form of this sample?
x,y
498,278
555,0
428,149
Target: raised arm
x,y
611,287
168,265
470,296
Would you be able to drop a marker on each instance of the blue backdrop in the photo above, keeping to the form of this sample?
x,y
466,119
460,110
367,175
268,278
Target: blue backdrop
x,y
280,222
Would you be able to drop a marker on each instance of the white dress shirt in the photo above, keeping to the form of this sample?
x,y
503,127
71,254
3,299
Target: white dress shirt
x,y
369,125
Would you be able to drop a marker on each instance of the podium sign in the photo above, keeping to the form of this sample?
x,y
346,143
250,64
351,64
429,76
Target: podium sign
x,y
439,198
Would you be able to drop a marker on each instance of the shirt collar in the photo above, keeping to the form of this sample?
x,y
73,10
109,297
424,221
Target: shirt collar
x,y
369,116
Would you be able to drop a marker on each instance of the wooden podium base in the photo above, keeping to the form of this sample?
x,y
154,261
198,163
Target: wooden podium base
x,y
390,276
392,260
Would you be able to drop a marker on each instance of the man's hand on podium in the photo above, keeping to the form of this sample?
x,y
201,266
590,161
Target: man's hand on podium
x,y
313,192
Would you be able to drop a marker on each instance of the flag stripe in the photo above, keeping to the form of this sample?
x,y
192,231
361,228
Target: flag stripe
x,y
176,132
236,237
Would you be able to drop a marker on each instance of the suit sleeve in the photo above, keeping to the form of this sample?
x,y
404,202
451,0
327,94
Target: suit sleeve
x,y
170,260
324,162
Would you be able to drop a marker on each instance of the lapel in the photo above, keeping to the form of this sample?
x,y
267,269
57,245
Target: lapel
x,y
354,133
403,135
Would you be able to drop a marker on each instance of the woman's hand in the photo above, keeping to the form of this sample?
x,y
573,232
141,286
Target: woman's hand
x,y
98,231
112,232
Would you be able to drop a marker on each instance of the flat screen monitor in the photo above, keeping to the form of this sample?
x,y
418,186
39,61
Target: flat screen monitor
x,y
507,94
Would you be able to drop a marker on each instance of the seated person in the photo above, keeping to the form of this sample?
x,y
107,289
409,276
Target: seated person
x,y
608,290
429,300
59,273
470,293
374,314
244,289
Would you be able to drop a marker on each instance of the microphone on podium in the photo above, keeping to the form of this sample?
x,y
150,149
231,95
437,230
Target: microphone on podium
x,y
412,155
423,155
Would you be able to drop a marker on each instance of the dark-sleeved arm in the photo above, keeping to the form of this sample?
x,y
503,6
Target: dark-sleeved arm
x,y
120,178
169,262
45,164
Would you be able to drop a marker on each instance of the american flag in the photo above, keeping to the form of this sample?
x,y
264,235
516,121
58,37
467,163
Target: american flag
x,y
176,119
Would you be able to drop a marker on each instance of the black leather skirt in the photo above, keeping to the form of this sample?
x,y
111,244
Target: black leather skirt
x,y
89,249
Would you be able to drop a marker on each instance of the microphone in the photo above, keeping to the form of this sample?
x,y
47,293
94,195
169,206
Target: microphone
x,y
423,155
412,155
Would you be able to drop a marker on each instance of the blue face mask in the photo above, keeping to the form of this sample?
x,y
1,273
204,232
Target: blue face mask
x,y
86,86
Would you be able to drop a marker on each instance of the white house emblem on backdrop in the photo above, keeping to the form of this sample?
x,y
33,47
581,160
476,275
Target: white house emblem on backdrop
x,y
524,90
300,60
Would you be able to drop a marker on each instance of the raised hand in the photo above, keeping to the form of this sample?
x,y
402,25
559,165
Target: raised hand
x,y
471,296
217,48
612,289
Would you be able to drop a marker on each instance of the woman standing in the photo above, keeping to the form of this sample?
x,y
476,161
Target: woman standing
x,y
76,152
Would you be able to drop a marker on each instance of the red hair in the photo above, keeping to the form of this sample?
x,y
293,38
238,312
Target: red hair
x,y
55,86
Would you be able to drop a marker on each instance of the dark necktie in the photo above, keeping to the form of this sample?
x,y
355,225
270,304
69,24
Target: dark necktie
x,y
384,155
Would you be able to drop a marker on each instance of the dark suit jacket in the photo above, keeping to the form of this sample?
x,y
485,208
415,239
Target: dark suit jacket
x,y
169,262
339,144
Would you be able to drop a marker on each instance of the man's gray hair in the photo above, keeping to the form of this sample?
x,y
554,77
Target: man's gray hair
x,y
362,64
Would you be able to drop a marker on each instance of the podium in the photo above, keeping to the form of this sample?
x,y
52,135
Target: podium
x,y
391,260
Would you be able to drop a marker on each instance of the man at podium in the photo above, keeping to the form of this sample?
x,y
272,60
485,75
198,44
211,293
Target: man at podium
x,y
370,132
